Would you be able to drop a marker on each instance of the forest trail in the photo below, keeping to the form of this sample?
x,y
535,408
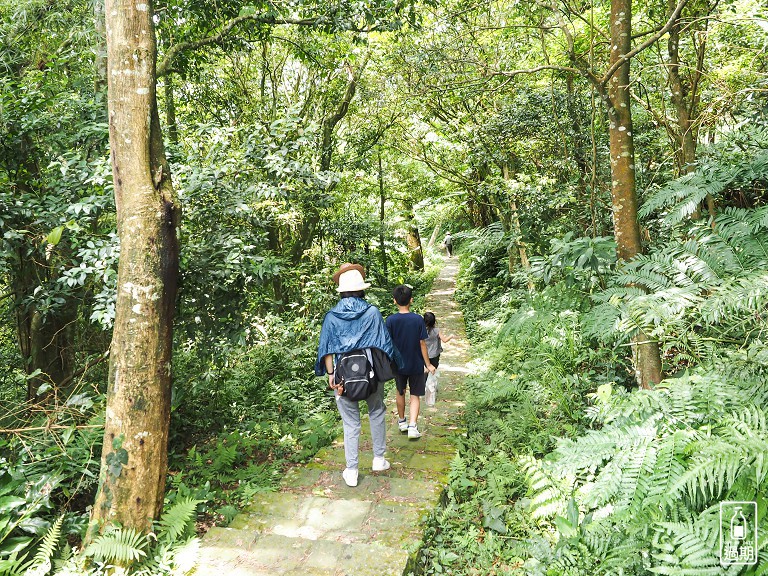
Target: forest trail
x,y
315,525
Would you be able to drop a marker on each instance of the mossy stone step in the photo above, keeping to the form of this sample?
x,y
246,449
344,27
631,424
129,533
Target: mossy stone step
x,y
233,552
388,522
371,486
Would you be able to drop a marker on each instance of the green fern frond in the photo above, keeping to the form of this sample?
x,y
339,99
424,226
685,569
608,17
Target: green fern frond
x,y
638,468
178,519
676,192
686,548
605,487
14,565
224,456
740,296
549,496
653,274
751,421
601,535
601,322
758,219
48,545
669,466
592,449
688,205
119,545
681,197
710,476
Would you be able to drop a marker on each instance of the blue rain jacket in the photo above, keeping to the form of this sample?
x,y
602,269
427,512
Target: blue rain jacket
x,y
353,323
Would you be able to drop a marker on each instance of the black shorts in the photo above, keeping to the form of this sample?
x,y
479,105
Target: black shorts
x,y
417,383
435,361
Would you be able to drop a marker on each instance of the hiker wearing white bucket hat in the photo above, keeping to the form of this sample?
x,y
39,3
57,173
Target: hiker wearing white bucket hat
x,y
354,325
352,279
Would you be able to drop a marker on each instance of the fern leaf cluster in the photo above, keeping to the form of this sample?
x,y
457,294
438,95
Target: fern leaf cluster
x,y
170,549
648,483
693,293
678,199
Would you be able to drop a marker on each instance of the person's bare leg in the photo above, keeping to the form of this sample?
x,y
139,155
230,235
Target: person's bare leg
x,y
414,408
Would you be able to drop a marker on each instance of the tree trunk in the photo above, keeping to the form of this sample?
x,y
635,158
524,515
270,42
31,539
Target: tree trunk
x,y
134,457
273,238
170,110
413,239
685,100
623,191
45,340
382,222
514,224
100,63
433,237
327,127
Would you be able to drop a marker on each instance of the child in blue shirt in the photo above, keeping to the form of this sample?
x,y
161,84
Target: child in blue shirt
x,y
409,335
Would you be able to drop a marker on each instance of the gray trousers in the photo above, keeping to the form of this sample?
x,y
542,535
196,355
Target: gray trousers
x,y
350,417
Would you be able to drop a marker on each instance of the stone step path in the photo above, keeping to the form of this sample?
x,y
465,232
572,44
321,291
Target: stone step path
x,y
318,526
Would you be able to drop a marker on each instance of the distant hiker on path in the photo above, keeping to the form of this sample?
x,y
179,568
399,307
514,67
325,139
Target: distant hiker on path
x,y
409,335
351,325
448,243
434,348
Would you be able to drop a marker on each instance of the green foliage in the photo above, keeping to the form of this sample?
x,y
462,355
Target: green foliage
x,y
170,549
46,473
692,293
651,477
178,520
526,391
582,261
121,546
229,469
271,369
740,164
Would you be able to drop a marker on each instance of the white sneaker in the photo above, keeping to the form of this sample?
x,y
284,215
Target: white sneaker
x,y
413,432
350,476
380,464
403,425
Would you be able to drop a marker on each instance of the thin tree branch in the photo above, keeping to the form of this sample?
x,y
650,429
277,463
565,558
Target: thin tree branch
x,y
88,365
623,58
51,427
166,65
583,72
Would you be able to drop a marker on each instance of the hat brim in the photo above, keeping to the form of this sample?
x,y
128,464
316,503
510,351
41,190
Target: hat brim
x,y
354,288
346,267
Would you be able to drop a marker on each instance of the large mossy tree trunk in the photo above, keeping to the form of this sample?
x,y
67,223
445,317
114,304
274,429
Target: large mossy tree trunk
x,y
133,462
626,227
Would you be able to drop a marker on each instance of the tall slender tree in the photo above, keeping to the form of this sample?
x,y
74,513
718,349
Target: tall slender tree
x,y
626,228
133,462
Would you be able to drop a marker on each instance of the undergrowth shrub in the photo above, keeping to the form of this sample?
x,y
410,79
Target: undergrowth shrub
x,y
533,372
270,373
640,494
49,468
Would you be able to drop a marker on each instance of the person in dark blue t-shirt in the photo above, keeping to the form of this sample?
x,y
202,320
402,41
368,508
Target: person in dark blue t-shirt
x,y
409,336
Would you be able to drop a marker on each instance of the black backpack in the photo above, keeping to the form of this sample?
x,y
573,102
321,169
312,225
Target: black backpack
x,y
354,370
